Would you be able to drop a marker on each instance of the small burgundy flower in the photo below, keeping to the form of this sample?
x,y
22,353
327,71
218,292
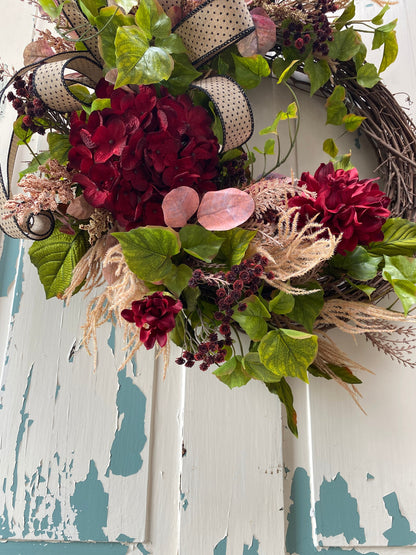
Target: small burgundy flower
x,y
155,315
344,204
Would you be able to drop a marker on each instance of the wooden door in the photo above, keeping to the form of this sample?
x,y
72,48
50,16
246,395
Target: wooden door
x,y
106,463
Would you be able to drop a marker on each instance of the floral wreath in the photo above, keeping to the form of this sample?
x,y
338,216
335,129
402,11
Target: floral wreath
x,y
146,185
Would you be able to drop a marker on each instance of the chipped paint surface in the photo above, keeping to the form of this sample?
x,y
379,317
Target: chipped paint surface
x,y
8,260
399,533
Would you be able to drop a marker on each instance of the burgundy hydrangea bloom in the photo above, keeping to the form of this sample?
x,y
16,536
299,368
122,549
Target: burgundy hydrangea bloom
x,y
344,204
155,315
129,156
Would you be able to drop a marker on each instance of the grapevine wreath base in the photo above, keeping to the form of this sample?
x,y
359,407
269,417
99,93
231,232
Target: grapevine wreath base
x,y
145,197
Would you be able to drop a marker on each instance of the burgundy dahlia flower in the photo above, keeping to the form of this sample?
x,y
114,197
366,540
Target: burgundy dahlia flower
x,y
155,315
344,204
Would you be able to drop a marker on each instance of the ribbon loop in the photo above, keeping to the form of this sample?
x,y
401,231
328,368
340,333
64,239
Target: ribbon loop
x,y
83,28
212,27
52,87
232,107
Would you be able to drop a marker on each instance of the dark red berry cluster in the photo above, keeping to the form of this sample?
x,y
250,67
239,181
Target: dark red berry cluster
x,y
27,105
317,29
231,287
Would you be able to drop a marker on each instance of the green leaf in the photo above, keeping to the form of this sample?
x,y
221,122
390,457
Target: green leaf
x,y
177,335
335,107
152,20
344,374
307,307
51,8
359,264
172,44
360,56
40,159
59,147
82,93
137,63
24,136
284,392
282,303
399,238
288,352
291,113
235,245
182,76
100,104
253,319
318,71
199,242
148,251
250,71
56,257
362,287
343,162
287,72
378,19
283,68
400,272
352,122
390,51
330,147
269,146
92,6
109,20
346,16
191,296
178,278
231,373
367,75
345,45
127,5
254,368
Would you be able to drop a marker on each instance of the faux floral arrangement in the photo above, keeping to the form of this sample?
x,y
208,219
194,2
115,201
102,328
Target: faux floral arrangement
x,y
146,188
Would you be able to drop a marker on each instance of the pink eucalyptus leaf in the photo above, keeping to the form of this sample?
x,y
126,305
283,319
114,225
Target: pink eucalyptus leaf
x,y
262,39
179,205
226,209
36,51
175,14
79,208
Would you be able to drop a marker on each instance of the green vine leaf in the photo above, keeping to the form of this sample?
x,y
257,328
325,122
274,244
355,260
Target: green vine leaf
x,y
250,71
59,146
306,308
231,373
282,303
288,352
108,21
346,16
345,45
253,319
318,71
148,251
178,278
235,245
400,272
399,238
335,107
55,259
367,76
199,242
255,369
359,264
284,392
352,122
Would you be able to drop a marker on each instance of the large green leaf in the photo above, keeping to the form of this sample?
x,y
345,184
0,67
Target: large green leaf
x,y
231,373
335,107
56,257
288,352
367,76
182,76
148,251
307,307
256,369
400,272
282,303
235,245
151,18
318,71
137,62
283,390
359,264
253,319
399,238
199,242
346,16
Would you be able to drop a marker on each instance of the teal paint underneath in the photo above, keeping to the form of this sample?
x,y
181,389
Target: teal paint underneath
x,y
73,548
221,547
130,438
124,539
299,537
111,341
22,428
399,533
370,476
337,512
253,549
18,289
142,549
8,261
90,503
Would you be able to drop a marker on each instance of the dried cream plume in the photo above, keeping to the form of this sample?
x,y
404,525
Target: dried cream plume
x,y
355,317
124,288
